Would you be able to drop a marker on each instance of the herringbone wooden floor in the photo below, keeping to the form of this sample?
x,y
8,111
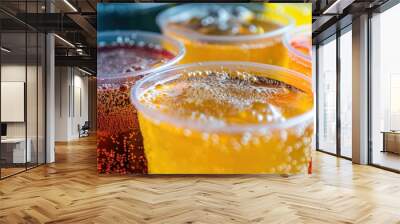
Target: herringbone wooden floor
x,y
70,191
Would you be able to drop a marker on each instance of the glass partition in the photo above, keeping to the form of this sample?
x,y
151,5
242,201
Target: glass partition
x,y
346,93
22,77
385,89
13,103
327,96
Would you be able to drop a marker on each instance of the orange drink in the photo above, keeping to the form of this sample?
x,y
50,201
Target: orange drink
x,y
213,32
225,118
123,58
299,47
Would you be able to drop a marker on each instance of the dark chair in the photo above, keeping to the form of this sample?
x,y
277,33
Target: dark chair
x,y
84,130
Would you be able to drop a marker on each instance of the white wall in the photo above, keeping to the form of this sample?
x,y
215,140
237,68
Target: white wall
x,y
62,82
71,94
15,72
79,117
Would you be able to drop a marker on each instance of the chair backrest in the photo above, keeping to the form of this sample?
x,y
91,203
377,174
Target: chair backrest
x,y
86,125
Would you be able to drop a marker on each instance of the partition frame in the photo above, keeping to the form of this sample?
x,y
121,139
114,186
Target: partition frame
x,y
337,35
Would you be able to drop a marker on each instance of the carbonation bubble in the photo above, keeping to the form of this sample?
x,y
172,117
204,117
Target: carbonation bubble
x,y
220,98
229,21
119,136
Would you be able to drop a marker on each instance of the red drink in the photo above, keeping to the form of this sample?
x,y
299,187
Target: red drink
x,y
120,65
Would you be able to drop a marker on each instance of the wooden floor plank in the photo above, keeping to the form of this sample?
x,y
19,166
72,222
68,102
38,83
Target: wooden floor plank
x,y
70,191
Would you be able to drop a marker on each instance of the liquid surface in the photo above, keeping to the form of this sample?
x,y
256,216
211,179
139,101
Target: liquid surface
x,y
118,60
221,98
233,21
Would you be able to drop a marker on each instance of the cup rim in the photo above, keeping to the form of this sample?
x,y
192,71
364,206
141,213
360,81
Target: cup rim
x,y
116,33
163,18
305,29
226,128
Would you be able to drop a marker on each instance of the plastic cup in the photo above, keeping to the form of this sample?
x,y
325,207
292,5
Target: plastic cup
x,y
183,137
123,58
261,40
299,44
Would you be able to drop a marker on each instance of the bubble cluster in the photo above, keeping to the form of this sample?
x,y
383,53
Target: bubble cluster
x,y
219,98
232,21
177,150
120,143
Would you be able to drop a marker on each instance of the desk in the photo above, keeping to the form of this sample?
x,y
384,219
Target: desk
x,y
391,141
13,150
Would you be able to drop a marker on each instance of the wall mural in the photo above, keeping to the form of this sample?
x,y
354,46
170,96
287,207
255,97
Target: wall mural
x,y
204,88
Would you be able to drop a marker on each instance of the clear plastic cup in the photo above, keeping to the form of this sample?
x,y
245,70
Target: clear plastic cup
x,y
247,34
298,43
193,135
123,58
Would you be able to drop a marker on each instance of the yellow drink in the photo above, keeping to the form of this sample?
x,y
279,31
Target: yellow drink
x,y
225,118
301,12
299,47
213,32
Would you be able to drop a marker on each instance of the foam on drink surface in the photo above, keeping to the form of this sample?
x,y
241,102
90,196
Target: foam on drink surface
x,y
230,21
221,98
118,60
